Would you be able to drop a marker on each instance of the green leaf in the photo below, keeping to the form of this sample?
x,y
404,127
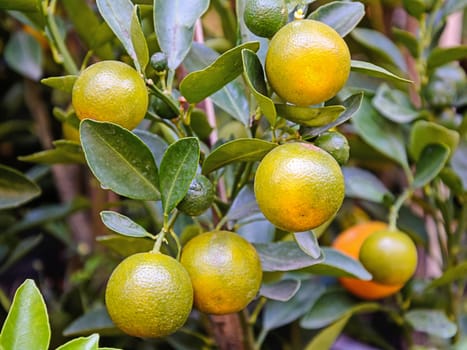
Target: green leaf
x,y
96,320
65,152
83,343
430,163
23,54
308,243
122,224
243,205
15,188
138,40
308,116
407,39
362,184
338,264
282,290
25,246
239,150
331,306
20,5
343,16
375,71
177,170
174,23
156,144
450,275
284,256
118,15
433,322
380,45
459,163
424,133
394,105
124,245
196,86
63,83
440,56
254,76
27,323
325,338
120,160
278,313
383,135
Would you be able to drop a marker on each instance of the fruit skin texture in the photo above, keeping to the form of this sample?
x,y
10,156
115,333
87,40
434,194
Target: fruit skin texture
x,y
225,271
299,186
390,256
199,197
149,295
350,242
110,91
265,17
335,144
307,62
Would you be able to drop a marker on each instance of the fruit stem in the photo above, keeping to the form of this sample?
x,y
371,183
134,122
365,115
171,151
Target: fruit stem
x,y
261,337
259,306
395,208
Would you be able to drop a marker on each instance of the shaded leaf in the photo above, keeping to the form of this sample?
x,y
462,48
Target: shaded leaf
x,y
433,322
239,150
83,343
96,320
325,338
362,184
122,224
459,163
15,188
375,71
394,105
308,116
23,54
65,152
407,39
25,246
308,243
63,83
282,290
20,5
124,245
119,160
450,275
243,205
27,323
440,56
156,144
430,163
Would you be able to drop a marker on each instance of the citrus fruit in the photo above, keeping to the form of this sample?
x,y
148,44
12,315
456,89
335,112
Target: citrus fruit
x,y
265,17
390,256
159,61
161,108
110,91
349,242
225,271
335,144
298,186
199,197
149,295
307,62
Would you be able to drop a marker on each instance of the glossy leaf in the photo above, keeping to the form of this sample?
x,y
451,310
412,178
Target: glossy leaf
x,y
23,54
27,323
156,144
83,343
343,16
375,71
239,150
120,160
308,243
308,116
174,23
254,76
380,45
338,264
440,56
431,162
177,170
278,313
325,338
450,275
424,133
282,290
362,184
122,224
124,245
15,188
433,322
284,256
118,15
63,83
384,136
65,152
138,40
394,105
198,85
96,320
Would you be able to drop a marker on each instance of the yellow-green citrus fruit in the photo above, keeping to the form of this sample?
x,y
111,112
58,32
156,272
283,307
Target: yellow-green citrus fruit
x,y
110,91
299,186
335,144
159,61
390,256
307,62
149,295
199,197
225,271
265,17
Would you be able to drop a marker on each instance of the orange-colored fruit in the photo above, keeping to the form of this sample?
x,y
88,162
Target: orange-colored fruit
x,y
307,62
149,295
299,186
225,271
350,242
110,91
